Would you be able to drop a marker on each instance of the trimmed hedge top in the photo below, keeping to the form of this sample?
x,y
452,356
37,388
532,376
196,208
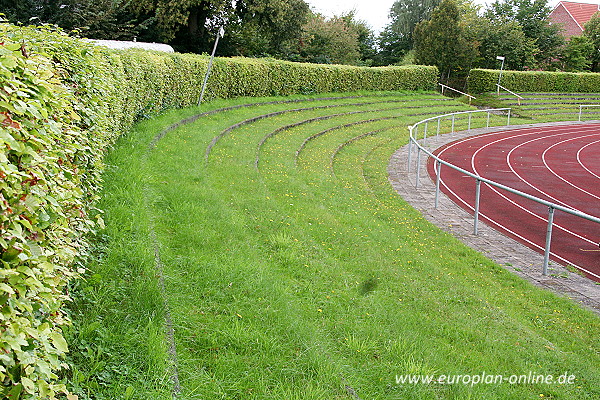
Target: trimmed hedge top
x,y
485,80
235,77
62,103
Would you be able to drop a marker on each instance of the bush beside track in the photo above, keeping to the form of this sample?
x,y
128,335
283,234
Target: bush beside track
x,y
485,80
63,102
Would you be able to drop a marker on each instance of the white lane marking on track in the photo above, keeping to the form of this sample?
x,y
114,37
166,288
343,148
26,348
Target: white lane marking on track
x,y
563,129
510,165
526,131
560,177
534,131
581,162
564,260
558,226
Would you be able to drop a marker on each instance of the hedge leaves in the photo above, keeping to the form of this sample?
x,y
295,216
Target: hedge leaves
x,y
63,102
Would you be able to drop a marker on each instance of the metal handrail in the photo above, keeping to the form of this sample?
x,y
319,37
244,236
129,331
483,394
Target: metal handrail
x,y
457,91
519,98
586,105
413,129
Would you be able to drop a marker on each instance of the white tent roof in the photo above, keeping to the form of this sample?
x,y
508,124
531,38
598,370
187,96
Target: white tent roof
x,y
122,45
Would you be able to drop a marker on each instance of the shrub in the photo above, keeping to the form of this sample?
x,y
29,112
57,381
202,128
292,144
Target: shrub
x,y
62,103
485,80
43,195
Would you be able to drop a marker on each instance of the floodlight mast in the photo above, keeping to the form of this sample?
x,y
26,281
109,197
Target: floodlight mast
x,y
221,33
501,58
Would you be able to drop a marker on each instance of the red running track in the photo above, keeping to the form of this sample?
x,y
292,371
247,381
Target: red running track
x,y
560,164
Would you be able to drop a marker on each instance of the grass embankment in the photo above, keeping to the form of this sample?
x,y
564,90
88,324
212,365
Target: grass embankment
x,y
291,270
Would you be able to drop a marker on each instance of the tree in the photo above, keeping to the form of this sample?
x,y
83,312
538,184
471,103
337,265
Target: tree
x,y
24,11
329,41
592,32
191,25
106,19
506,39
397,37
577,54
97,19
264,27
532,15
366,38
441,41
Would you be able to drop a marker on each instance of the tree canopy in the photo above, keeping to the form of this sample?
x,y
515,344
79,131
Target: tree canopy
x,y
252,26
98,19
532,16
397,37
441,40
454,35
505,39
592,32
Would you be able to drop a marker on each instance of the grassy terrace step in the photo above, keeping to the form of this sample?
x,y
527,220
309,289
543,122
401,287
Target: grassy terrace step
x,y
535,106
553,94
289,268
557,102
557,97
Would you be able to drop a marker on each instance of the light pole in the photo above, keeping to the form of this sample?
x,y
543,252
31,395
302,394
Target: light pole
x,y
212,56
501,58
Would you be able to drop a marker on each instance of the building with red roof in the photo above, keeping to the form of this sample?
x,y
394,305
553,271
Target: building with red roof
x,y
572,16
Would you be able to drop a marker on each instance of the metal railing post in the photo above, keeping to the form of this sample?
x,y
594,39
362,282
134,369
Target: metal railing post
x,y
488,120
548,240
413,140
410,140
457,91
438,178
477,198
425,133
438,126
580,108
469,125
418,167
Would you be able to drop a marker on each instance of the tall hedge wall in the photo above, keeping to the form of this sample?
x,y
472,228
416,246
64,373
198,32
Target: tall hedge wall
x,y
485,80
62,103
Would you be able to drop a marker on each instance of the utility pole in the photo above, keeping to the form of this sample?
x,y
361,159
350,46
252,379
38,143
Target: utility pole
x,y
212,56
501,58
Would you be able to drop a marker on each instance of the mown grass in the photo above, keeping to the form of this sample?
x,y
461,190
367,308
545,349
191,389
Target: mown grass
x,y
545,107
302,275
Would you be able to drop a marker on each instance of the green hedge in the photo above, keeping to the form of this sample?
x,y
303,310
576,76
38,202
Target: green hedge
x,y
62,103
485,80
233,77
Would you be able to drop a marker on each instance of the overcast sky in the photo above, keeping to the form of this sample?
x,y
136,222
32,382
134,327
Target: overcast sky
x,y
375,12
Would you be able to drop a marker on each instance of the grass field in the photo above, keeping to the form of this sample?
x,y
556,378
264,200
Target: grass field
x,y
260,253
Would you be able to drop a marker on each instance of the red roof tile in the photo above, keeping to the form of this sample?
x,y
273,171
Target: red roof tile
x,y
581,12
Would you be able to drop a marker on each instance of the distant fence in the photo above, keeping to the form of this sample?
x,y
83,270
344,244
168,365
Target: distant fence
x,y
581,106
457,91
519,98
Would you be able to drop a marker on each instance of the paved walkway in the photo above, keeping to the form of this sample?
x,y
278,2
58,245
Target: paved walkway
x,y
451,218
